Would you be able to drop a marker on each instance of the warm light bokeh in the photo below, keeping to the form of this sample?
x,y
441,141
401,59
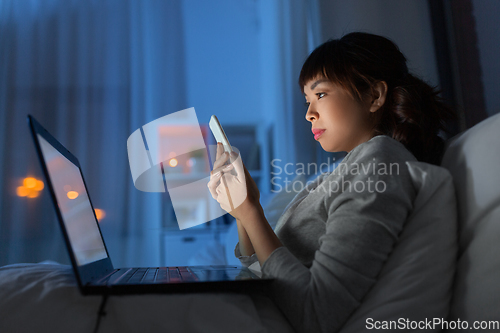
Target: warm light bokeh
x,y
99,213
29,182
33,194
39,185
22,191
173,162
31,187
72,194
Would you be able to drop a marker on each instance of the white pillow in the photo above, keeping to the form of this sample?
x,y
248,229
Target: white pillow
x,y
473,160
416,281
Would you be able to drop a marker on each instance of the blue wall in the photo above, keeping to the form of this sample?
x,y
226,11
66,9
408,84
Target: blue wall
x,y
222,60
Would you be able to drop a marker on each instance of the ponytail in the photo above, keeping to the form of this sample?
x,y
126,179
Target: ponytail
x,y
416,116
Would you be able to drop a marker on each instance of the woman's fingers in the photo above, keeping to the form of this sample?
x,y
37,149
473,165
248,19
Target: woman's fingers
x,y
220,150
224,195
219,168
213,183
238,167
229,190
223,168
221,160
215,177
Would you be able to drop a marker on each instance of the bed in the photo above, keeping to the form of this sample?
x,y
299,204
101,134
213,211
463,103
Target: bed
x,y
44,297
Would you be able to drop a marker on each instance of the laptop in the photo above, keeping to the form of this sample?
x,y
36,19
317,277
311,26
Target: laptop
x,y
87,250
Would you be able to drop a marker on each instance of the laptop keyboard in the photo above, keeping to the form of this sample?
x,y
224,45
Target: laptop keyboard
x,y
157,275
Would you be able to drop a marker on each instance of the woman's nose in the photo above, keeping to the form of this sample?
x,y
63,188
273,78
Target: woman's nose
x,y
311,115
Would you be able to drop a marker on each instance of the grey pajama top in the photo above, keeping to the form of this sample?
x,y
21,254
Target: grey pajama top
x,y
337,233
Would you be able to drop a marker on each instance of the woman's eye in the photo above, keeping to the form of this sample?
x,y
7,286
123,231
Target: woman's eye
x,y
320,95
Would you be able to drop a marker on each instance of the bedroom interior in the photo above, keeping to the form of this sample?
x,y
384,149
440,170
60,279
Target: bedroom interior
x,y
94,71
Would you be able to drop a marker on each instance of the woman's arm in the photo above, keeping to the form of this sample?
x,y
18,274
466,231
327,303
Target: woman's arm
x,y
355,231
238,194
257,231
246,247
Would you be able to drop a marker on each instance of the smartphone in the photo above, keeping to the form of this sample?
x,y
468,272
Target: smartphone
x,y
219,134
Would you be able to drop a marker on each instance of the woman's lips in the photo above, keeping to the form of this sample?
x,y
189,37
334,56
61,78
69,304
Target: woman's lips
x,y
317,133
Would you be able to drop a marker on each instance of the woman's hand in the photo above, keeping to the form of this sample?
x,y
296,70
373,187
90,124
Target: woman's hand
x,y
236,193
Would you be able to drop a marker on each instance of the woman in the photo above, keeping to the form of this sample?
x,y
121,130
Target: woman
x,y
334,237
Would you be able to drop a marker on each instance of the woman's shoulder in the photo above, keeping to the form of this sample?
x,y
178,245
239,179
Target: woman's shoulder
x,y
379,159
381,148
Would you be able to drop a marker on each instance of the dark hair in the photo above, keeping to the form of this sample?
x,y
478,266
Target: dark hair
x,y
412,114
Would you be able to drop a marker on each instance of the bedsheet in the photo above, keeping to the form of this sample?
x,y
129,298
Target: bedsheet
x,y
44,297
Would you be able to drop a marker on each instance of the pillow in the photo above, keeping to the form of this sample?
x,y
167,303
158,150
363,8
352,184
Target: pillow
x,y
415,283
473,160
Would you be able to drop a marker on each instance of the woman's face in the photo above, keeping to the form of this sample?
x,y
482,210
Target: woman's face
x,y
339,122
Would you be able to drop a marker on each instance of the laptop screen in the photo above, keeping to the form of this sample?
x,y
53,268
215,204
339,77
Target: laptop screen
x,y
74,204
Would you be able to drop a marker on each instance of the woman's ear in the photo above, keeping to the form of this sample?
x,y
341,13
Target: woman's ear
x,y
379,91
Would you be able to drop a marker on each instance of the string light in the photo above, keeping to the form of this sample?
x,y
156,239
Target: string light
x,y
173,162
100,214
33,194
30,187
23,191
29,182
39,186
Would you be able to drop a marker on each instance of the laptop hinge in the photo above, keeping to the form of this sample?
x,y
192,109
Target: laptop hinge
x,y
104,279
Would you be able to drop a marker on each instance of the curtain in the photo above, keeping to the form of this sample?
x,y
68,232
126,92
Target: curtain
x,y
290,30
91,72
